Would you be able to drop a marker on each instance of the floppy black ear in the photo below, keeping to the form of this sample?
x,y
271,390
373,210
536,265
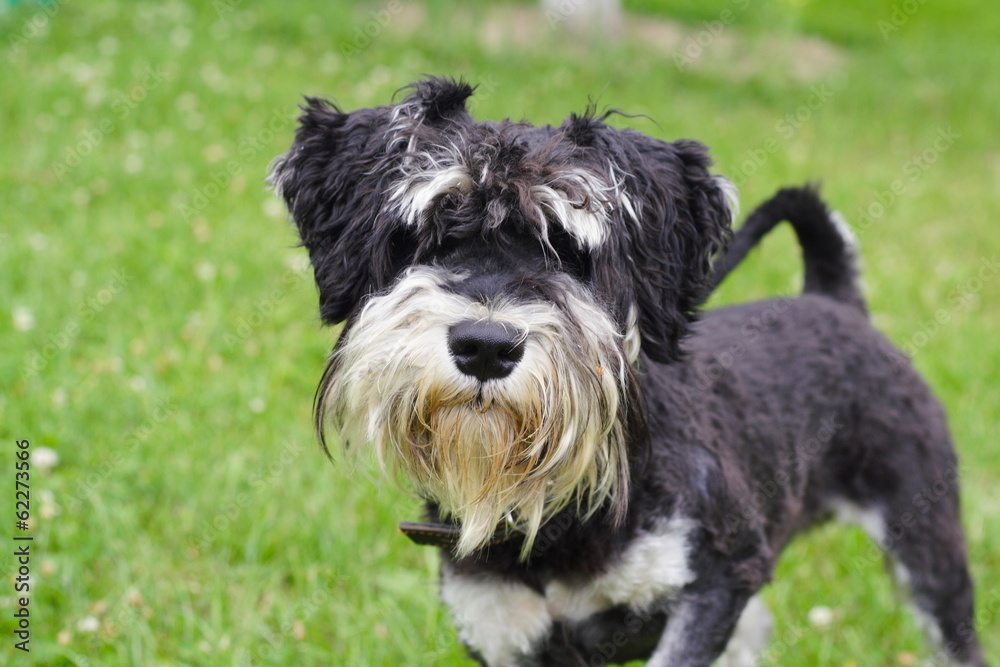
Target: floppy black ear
x,y
657,262
336,180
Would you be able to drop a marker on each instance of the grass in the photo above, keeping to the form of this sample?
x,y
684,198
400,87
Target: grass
x,y
160,331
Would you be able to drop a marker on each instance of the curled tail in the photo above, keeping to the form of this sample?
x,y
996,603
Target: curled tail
x,y
829,249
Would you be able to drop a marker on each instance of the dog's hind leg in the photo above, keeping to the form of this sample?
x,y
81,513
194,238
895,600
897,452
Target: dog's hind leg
x,y
928,560
905,479
925,554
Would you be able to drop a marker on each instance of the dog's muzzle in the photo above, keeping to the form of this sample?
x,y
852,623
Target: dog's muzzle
x,y
501,411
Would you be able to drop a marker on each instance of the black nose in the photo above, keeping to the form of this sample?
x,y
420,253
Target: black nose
x,y
486,350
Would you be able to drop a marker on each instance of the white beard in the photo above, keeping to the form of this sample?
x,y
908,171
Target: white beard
x,y
520,448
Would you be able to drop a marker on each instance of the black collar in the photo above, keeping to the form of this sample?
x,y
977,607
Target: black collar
x,y
446,535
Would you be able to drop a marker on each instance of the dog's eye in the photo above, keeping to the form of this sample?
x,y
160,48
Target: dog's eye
x,y
446,246
571,258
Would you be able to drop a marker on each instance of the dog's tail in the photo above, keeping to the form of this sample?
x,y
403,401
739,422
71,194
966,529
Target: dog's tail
x,y
829,248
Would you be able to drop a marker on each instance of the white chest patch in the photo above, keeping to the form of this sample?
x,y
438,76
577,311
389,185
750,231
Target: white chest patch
x,y
654,566
502,619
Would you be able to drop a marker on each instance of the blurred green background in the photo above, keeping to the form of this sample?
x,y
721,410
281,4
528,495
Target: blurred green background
x,y
160,342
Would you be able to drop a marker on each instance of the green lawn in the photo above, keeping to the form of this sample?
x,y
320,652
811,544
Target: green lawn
x,y
159,331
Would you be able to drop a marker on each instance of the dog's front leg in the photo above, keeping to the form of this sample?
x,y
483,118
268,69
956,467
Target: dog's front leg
x,y
700,624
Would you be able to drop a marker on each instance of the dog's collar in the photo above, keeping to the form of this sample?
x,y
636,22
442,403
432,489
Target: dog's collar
x,y
446,535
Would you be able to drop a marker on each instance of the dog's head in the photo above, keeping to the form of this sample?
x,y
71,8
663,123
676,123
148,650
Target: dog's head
x,y
500,283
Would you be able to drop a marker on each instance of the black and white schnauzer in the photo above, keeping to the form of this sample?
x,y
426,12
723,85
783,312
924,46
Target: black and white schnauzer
x,y
609,476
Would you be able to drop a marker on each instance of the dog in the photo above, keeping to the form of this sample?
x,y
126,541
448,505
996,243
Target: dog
x,y
610,474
